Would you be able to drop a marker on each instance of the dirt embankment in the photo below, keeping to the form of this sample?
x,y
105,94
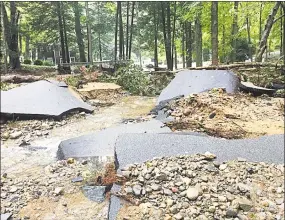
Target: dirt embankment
x,y
229,116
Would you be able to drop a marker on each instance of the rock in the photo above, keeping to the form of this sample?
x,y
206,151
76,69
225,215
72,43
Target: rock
x,y
223,166
240,159
231,212
192,193
244,204
279,201
167,192
212,209
169,202
16,134
173,210
5,135
212,115
178,216
162,177
243,188
13,189
222,198
155,187
126,174
137,189
70,160
174,189
204,178
128,190
77,179
187,111
58,191
209,155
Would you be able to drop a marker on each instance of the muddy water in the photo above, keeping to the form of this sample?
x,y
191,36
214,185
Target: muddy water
x,y
30,161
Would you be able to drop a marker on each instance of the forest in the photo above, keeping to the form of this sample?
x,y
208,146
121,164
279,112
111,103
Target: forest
x,y
171,33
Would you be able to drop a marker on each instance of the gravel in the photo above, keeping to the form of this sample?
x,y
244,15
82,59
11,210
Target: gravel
x,y
229,193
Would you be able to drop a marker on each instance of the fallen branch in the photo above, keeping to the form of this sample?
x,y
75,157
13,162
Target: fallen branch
x,y
236,65
20,78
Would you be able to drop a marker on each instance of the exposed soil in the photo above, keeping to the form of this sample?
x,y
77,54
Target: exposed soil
x,y
229,116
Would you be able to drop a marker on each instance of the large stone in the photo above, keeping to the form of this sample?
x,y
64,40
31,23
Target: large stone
x,y
192,193
244,204
137,189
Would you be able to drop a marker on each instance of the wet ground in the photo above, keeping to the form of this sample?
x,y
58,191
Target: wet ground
x,y
31,161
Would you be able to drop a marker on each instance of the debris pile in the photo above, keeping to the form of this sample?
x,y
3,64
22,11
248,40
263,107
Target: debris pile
x,y
229,116
199,187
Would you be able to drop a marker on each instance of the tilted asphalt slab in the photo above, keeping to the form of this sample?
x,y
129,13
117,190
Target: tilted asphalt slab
x,y
102,143
137,148
189,82
40,99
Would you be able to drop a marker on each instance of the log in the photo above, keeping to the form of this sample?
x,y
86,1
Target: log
x,y
237,65
20,78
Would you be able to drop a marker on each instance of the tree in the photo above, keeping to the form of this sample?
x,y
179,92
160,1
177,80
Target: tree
x,y
131,29
214,28
155,35
188,29
266,32
65,34
116,31
198,38
12,34
234,32
79,35
61,31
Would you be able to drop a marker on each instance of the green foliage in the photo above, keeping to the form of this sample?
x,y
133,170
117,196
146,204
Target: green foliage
x,y
133,79
47,63
27,62
38,62
72,80
4,86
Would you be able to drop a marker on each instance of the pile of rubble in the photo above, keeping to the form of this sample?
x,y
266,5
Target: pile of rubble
x,y
228,115
199,187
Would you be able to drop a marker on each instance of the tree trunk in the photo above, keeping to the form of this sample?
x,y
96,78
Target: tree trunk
x,y
131,30
27,49
155,36
183,44
283,45
20,40
214,27
281,34
116,32
168,16
234,32
4,46
167,34
266,32
188,29
65,35
79,35
11,34
198,40
260,21
121,33
58,7
248,36
90,54
175,57
173,34
127,31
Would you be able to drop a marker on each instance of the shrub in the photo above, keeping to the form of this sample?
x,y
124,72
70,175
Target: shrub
x,y
38,62
47,63
27,62
133,79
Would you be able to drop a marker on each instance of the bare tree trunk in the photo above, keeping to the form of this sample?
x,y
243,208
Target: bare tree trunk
x,y
11,34
79,35
4,46
65,35
248,36
58,6
183,45
173,34
260,21
27,50
131,30
116,31
167,34
155,36
281,34
20,39
266,32
283,42
198,39
121,33
175,57
234,32
90,55
214,27
127,31
188,28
